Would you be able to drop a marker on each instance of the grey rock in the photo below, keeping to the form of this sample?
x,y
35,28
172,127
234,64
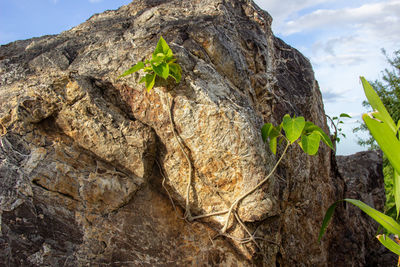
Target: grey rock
x,y
363,176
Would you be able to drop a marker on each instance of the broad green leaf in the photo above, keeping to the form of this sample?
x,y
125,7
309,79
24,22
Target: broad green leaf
x,y
386,139
293,127
387,222
169,53
175,71
344,115
389,244
335,118
310,143
265,130
270,132
150,80
138,66
396,190
311,127
157,59
161,70
377,104
162,47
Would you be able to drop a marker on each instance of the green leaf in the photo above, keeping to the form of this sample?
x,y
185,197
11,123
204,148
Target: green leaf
x,y
335,118
344,115
310,143
175,71
387,222
161,70
377,104
273,144
157,59
293,127
311,127
385,138
169,53
396,191
327,219
270,132
150,80
389,244
138,66
265,130
162,47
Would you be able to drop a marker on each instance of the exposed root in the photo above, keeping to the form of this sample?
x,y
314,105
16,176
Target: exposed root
x,y
187,215
237,200
210,214
163,185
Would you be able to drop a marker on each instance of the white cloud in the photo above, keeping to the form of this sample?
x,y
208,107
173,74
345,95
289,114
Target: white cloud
x,y
372,17
284,10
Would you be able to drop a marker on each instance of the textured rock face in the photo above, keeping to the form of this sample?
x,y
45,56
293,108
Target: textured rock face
x,y
89,164
362,173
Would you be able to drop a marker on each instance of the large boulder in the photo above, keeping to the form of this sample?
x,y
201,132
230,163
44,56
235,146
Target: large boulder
x,y
91,172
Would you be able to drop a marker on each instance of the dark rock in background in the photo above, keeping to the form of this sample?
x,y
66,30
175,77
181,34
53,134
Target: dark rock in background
x,y
356,241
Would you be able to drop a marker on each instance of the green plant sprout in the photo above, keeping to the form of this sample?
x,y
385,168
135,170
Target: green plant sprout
x,y
386,134
162,64
335,124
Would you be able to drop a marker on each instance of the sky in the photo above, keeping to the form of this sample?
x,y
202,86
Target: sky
x,y
342,39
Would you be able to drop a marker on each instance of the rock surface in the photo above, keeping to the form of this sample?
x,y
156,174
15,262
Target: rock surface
x,y
89,163
363,176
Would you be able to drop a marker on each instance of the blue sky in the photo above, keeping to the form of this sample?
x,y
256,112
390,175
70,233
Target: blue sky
x,y
23,19
342,39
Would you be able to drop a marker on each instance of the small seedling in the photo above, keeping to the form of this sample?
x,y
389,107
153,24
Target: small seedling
x,y
297,130
162,64
335,124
